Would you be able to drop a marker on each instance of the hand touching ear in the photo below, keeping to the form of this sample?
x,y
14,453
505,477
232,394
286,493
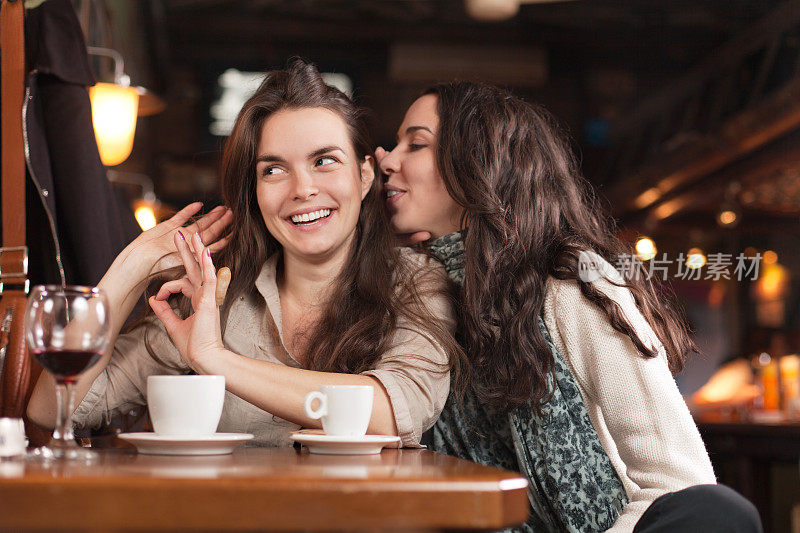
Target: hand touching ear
x,y
156,244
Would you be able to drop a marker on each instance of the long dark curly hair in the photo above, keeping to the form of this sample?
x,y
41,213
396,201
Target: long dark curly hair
x,y
377,291
529,214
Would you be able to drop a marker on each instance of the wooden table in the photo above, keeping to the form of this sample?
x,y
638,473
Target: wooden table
x,y
261,488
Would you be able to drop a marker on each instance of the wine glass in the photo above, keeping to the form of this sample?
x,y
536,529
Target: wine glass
x,y
68,330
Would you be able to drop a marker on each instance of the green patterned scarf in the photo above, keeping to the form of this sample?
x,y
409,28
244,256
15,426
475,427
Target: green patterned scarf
x,y
572,484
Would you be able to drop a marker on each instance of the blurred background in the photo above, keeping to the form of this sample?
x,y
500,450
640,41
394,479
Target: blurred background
x,y
685,115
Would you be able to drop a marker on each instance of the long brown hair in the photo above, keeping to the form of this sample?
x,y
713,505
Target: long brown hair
x,y
376,288
529,214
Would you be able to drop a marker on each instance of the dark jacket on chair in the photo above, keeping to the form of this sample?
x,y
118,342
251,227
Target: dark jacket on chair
x,y
76,224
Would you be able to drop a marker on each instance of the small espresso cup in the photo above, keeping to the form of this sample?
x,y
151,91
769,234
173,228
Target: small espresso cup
x,y
345,410
185,406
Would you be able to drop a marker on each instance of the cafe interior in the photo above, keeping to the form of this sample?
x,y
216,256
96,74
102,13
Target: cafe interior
x,y
685,118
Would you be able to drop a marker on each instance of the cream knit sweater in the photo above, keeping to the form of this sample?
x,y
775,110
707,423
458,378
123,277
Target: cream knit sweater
x,y
632,401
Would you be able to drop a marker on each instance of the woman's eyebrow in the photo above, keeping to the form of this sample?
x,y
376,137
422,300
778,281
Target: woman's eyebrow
x,y
324,150
268,158
412,129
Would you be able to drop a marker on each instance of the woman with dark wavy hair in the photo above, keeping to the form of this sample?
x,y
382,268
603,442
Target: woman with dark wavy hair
x,y
318,294
570,375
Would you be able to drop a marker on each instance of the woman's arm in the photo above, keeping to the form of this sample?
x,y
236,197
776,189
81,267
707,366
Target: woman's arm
x,y
122,386
407,395
633,401
123,284
281,389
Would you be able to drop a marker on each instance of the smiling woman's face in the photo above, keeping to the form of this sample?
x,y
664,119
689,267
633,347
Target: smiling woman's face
x,y
310,183
416,196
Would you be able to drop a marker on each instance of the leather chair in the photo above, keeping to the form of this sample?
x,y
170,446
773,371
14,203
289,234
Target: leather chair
x,y
18,371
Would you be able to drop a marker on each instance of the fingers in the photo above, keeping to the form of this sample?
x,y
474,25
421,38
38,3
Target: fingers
x,y
208,219
219,244
211,229
204,222
178,286
189,260
166,314
419,236
223,280
380,153
410,239
181,217
209,275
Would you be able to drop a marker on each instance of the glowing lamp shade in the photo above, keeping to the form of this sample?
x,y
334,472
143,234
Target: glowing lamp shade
x,y
492,10
114,109
146,216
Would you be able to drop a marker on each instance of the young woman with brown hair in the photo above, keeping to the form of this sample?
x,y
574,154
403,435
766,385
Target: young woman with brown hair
x,y
318,295
570,378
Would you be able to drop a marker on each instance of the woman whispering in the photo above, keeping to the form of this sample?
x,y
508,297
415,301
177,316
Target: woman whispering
x,y
570,371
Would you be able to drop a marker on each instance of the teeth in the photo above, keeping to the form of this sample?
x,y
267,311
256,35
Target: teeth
x,y
389,194
311,217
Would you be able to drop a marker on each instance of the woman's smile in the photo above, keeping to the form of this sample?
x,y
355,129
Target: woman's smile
x,y
311,219
310,183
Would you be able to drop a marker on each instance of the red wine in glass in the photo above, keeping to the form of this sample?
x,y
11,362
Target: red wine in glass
x,y
67,330
66,365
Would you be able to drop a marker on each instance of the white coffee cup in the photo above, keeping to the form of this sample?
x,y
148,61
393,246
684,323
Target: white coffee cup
x,y
185,406
12,437
345,410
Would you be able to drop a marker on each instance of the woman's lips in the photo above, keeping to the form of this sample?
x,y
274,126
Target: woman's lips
x,y
312,226
391,200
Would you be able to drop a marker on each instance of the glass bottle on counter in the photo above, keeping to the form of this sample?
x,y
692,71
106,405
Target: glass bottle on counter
x,y
767,377
790,385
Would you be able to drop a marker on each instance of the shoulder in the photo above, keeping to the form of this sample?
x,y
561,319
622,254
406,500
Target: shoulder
x,y
421,268
410,257
421,280
582,331
564,296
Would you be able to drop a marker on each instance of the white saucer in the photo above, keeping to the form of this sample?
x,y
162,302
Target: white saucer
x,y
333,445
216,444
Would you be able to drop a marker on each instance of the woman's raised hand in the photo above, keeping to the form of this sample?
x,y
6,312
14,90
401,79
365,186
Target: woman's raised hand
x,y
198,336
157,243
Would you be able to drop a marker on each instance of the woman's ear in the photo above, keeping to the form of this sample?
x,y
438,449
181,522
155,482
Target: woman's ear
x,y
367,175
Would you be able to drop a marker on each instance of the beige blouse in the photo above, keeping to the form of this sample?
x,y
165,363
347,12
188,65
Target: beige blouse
x,y
410,371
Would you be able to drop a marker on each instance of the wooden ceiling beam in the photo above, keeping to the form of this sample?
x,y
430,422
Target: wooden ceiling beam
x,y
709,193
738,137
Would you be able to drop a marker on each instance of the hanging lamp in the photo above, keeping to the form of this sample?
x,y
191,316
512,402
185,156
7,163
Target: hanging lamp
x,y
115,107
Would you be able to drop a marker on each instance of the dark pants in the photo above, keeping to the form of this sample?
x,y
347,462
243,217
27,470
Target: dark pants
x,y
702,508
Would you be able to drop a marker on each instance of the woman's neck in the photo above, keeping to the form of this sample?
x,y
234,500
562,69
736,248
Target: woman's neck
x,y
304,288
308,283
